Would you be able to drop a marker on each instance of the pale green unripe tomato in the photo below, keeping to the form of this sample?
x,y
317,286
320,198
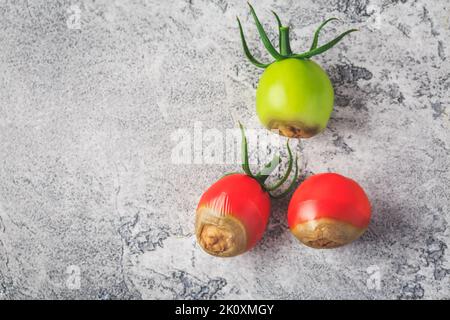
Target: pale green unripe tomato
x,y
296,97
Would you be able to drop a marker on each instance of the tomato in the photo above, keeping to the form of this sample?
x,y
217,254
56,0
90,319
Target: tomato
x,y
232,215
328,210
295,97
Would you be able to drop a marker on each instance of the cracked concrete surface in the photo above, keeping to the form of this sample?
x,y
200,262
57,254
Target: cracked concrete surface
x,y
91,205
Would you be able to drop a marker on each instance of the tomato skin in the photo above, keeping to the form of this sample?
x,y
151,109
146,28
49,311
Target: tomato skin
x,y
296,97
238,197
333,198
329,195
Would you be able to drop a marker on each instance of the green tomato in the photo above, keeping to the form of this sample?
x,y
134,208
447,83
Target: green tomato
x,y
296,97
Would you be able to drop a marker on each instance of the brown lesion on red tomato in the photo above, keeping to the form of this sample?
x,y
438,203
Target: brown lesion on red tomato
x,y
326,233
294,129
220,235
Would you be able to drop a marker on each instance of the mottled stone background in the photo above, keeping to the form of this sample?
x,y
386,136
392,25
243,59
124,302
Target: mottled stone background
x,y
92,206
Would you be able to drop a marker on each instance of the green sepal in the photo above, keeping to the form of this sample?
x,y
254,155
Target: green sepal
x,y
264,38
291,186
288,171
279,27
316,34
268,169
245,162
249,56
325,47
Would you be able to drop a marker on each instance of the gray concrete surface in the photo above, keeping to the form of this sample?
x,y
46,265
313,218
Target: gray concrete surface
x,y
92,205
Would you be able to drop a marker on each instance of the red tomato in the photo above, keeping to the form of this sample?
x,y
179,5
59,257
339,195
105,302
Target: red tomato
x,y
232,215
328,210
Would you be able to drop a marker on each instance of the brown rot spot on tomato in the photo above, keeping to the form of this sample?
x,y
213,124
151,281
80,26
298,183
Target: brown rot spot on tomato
x,y
222,236
326,233
216,239
292,129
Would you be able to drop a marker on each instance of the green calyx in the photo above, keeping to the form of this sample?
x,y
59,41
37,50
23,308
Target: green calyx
x,y
285,51
268,169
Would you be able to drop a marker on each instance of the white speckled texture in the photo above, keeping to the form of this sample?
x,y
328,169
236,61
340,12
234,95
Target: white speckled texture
x,y
87,186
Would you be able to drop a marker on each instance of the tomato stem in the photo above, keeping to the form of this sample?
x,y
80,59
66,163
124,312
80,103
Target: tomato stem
x,y
285,47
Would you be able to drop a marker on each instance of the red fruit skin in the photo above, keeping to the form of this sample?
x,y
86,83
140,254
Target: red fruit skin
x,y
331,197
241,197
